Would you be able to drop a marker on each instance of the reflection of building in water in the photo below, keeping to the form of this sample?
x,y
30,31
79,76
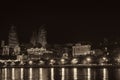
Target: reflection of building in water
x,y
13,40
79,49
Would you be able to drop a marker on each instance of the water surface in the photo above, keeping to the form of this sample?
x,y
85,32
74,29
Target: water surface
x,y
59,73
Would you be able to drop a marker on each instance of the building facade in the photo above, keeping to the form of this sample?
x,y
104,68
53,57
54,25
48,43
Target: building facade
x,y
39,37
79,49
42,36
12,38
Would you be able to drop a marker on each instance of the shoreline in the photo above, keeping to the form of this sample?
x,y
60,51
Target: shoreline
x,y
63,66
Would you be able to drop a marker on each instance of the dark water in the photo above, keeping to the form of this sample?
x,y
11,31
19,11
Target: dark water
x,y
59,74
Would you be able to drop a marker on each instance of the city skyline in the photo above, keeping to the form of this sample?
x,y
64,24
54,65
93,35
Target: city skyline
x,y
59,35
64,23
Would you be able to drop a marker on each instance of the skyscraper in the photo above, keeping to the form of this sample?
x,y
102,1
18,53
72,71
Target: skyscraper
x,y
33,39
12,38
42,36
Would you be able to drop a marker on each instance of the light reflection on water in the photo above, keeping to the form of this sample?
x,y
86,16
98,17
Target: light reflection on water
x,y
5,74
13,73
116,74
88,74
52,73
30,73
105,74
21,73
59,74
75,73
63,74
40,72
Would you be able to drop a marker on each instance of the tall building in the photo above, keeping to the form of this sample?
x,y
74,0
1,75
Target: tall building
x,y
12,38
33,39
2,43
39,37
42,36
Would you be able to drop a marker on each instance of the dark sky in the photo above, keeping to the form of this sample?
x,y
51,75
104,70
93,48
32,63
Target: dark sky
x,y
65,21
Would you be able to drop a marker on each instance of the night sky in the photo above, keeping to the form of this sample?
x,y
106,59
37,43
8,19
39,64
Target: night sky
x,y
65,22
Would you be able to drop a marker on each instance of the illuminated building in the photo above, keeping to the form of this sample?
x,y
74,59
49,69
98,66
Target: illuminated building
x,y
16,50
42,36
39,37
79,49
2,43
33,40
5,50
37,53
13,40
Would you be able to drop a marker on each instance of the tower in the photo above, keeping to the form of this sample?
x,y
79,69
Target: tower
x,y
33,39
42,36
12,38
2,43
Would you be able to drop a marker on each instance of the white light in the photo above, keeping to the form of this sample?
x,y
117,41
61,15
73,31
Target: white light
x,y
30,73
63,74
89,74
30,62
5,73
13,73
52,60
75,73
88,59
40,74
21,73
62,60
52,73
104,58
74,61
105,73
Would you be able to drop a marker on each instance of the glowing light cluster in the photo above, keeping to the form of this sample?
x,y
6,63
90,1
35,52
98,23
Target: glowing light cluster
x,y
74,61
